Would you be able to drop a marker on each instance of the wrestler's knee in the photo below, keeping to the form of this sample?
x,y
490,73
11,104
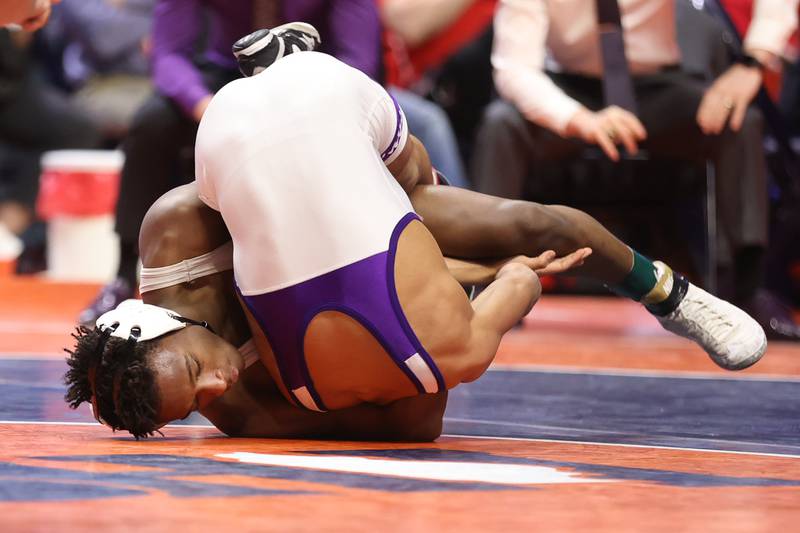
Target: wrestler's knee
x,y
523,279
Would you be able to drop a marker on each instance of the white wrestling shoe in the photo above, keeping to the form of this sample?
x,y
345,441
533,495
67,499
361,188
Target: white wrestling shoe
x,y
258,50
732,338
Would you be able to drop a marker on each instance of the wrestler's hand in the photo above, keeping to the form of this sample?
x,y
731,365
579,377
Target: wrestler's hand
x,y
547,263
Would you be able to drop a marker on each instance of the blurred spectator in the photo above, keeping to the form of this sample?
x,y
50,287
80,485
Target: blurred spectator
x,y
428,122
440,48
548,65
105,58
34,118
790,98
790,90
29,14
192,59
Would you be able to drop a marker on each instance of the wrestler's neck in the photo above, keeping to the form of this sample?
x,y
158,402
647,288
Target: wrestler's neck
x,y
211,299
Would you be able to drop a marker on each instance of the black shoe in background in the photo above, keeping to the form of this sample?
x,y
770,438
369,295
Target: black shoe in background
x,y
775,316
110,297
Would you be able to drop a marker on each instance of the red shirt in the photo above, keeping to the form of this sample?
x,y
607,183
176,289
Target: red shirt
x,y
741,12
406,65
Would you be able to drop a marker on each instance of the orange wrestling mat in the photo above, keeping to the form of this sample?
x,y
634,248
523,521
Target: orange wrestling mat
x,y
593,419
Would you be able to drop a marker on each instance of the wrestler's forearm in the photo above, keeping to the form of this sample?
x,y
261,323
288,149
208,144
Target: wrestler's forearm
x,y
509,297
268,415
497,309
472,272
414,419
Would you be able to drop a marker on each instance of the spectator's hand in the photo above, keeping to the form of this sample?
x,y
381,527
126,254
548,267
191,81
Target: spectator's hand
x,y
200,107
37,21
146,46
727,99
607,128
38,14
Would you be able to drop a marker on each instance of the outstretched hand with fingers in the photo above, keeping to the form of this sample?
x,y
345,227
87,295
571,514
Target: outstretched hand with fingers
x,y
547,263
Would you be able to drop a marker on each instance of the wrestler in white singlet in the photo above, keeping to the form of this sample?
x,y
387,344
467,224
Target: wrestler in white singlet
x,y
279,155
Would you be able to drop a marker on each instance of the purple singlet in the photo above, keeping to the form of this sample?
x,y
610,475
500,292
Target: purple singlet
x,y
364,290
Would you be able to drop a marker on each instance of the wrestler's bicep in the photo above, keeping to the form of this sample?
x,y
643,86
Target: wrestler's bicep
x,y
402,153
412,166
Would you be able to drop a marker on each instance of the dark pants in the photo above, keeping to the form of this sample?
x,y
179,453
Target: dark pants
x,y
33,119
509,147
158,155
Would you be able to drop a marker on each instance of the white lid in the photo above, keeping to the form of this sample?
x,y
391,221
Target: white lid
x,y
83,160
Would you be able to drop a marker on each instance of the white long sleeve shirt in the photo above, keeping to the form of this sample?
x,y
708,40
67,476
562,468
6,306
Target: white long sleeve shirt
x,y
562,35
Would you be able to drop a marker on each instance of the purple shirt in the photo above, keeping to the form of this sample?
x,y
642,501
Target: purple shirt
x,y
350,31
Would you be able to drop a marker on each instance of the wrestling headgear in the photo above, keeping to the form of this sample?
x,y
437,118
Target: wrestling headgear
x,y
136,320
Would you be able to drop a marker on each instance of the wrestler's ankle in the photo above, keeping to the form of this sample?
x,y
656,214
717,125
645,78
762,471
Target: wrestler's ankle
x,y
654,284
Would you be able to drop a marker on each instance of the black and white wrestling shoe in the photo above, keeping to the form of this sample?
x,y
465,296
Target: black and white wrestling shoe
x,y
731,337
260,49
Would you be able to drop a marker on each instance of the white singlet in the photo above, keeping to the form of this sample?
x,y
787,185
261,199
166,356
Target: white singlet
x,y
296,151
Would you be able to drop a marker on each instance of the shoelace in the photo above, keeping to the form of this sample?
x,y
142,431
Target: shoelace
x,y
714,325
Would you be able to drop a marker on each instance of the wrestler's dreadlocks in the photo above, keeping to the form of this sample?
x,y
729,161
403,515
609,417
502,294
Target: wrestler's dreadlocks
x,y
116,366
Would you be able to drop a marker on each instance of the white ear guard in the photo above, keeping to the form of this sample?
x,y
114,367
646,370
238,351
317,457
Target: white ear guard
x,y
141,322
138,321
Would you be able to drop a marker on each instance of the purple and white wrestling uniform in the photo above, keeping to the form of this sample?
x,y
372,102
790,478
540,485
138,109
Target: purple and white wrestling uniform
x,y
294,159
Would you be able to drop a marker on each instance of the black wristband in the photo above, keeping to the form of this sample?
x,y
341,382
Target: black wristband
x,y
749,61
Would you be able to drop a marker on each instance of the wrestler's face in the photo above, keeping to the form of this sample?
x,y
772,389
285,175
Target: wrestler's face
x,y
192,368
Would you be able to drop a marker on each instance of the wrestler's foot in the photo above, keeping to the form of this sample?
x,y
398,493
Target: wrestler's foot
x,y
260,49
729,335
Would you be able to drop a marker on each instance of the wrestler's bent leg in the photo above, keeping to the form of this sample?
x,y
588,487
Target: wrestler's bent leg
x,y
473,225
468,224
461,336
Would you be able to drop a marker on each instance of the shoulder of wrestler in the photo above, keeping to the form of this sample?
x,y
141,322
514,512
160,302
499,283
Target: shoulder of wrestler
x,y
179,226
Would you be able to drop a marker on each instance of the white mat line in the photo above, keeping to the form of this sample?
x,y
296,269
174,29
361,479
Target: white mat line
x,y
622,372
531,368
649,446
45,423
583,432
33,356
482,437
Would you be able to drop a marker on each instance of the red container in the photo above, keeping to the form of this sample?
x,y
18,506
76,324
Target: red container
x,y
78,183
